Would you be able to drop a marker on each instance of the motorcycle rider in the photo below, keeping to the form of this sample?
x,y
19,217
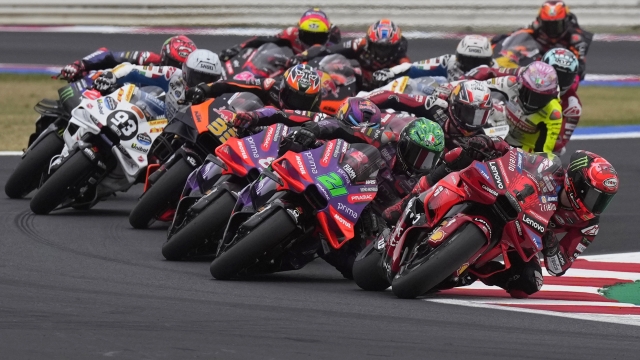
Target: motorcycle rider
x,y
585,188
472,51
299,88
314,28
382,47
566,65
556,26
201,66
174,52
462,113
532,108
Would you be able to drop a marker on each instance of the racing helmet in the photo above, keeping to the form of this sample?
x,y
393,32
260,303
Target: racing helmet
x,y
202,66
553,18
301,88
591,183
538,86
473,51
175,51
314,27
566,65
470,106
420,146
384,40
359,112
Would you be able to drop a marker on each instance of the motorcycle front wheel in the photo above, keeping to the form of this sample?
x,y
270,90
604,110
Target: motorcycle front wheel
x,y
426,272
59,186
210,221
367,270
26,177
163,194
264,237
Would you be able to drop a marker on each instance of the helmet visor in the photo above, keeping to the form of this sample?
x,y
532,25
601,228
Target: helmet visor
x,y
383,52
565,78
469,117
169,61
593,199
294,100
532,101
194,77
313,38
553,28
468,63
417,158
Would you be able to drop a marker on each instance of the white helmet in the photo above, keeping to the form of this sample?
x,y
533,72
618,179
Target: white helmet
x,y
202,66
473,51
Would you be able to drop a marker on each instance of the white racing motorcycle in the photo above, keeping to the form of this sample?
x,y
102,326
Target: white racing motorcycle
x,y
106,145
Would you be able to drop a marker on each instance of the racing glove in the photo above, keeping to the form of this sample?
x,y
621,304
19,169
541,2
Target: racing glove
x,y
245,120
551,246
482,72
227,54
382,77
482,147
105,81
196,94
295,60
72,71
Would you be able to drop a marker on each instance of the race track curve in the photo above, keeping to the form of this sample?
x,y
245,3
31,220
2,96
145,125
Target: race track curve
x,y
84,285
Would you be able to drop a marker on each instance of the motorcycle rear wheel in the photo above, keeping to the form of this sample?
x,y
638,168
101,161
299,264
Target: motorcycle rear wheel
x,y
367,270
159,197
57,188
26,177
211,220
440,263
261,239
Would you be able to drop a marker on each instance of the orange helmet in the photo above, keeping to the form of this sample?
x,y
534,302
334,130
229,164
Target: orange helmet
x,y
553,18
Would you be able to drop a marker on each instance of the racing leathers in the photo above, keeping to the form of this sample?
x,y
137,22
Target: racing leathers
x,y
357,49
168,78
565,238
287,37
574,39
433,107
105,59
569,100
537,132
444,66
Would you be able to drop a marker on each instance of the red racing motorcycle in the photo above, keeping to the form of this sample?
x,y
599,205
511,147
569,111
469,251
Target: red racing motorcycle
x,y
464,221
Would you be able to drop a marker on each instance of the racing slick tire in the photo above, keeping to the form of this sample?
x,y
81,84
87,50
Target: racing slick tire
x,y
367,270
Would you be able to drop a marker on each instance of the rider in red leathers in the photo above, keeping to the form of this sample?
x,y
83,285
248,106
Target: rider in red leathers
x,y
314,28
173,53
584,190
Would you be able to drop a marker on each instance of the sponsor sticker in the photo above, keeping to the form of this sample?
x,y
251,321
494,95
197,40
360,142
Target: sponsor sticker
x,y
144,139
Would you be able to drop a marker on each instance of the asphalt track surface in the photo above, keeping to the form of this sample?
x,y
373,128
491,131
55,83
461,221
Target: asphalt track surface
x,y
85,285
64,48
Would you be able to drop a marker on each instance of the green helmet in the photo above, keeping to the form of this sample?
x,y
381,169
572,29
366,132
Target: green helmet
x,y
420,145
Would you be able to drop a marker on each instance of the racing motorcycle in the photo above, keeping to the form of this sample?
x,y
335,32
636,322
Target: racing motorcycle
x,y
192,134
266,61
460,224
46,141
312,202
212,190
107,142
342,79
518,49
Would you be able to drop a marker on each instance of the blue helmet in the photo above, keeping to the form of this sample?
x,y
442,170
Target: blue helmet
x,y
566,65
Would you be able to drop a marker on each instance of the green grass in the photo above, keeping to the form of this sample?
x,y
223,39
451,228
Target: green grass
x,y
19,93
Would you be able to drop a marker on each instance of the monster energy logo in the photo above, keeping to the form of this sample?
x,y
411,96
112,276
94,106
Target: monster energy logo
x,y
578,163
66,94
